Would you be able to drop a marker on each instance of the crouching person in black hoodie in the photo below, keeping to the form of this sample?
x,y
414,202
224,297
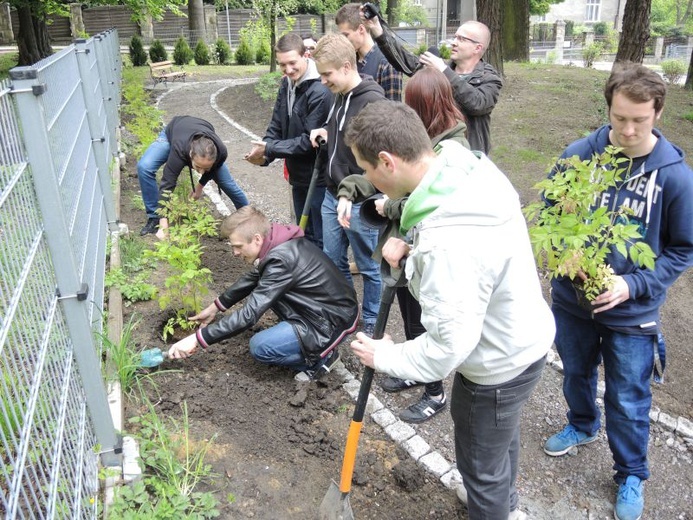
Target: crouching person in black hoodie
x,y
316,306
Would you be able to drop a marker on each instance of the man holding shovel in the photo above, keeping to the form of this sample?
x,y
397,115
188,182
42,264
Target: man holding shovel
x,y
302,104
316,306
470,265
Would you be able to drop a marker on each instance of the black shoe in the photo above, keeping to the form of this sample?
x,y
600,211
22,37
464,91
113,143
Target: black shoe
x,y
320,370
395,384
150,227
368,329
423,410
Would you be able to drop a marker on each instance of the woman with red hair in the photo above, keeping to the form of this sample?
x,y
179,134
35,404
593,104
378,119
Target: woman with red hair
x,y
429,93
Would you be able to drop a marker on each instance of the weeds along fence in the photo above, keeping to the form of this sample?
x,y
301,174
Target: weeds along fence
x,y
58,121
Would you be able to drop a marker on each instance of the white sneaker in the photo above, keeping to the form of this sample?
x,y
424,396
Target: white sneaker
x,y
517,514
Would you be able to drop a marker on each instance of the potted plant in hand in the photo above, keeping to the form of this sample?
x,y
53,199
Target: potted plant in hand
x,y
572,232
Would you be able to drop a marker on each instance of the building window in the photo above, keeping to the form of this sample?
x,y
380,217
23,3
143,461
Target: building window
x,y
592,11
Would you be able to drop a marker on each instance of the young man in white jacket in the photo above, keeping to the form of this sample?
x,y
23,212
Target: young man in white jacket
x,y
470,265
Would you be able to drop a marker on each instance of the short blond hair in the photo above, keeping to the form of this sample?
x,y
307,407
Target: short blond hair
x,y
335,49
247,221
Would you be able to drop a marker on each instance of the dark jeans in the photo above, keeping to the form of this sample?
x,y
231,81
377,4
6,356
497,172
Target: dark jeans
x,y
313,229
487,440
411,316
628,366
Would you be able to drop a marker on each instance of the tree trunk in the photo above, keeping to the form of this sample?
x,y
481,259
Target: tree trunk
x,y
635,31
32,38
391,6
515,30
273,37
689,80
490,12
196,21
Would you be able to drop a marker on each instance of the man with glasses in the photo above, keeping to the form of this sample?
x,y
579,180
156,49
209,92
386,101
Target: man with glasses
x,y
309,44
316,306
185,141
475,84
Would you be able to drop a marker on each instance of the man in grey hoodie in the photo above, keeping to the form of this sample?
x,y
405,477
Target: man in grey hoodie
x,y
302,104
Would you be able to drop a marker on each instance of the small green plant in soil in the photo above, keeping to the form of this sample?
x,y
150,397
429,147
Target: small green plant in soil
x,y
187,282
571,237
268,85
132,277
173,464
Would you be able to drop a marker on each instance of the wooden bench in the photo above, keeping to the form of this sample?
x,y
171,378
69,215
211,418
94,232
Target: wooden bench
x,y
162,72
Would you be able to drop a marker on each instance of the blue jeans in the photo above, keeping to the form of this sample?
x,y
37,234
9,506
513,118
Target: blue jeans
x,y
487,440
314,228
155,156
628,365
278,345
362,240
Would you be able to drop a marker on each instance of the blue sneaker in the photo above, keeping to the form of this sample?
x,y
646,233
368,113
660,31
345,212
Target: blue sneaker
x,y
563,441
629,501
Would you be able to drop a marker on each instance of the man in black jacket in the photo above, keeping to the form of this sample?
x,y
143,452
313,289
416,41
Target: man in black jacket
x,y
185,141
302,104
316,306
475,84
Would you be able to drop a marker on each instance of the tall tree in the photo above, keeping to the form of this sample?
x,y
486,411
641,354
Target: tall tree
x,y
270,10
515,32
32,37
636,31
490,12
196,20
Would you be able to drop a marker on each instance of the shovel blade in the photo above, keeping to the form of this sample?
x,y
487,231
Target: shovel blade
x,y
335,505
151,358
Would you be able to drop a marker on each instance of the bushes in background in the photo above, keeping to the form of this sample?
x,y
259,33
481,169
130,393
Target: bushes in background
x,y
137,55
157,52
222,52
202,53
182,53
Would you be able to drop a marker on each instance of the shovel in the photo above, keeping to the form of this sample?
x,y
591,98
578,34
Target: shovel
x,y
152,357
335,505
303,222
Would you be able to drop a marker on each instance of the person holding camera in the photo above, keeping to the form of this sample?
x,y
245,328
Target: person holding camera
x,y
475,84
370,60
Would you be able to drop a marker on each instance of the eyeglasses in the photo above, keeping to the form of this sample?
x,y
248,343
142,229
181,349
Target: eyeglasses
x,y
461,38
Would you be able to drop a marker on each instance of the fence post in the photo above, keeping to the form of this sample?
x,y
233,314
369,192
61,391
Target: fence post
x,y
95,101
27,91
560,38
6,33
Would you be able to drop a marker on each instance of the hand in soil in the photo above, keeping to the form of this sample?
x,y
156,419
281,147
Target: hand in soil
x,y
184,348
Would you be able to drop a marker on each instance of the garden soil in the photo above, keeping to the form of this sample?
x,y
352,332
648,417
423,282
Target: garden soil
x,y
278,443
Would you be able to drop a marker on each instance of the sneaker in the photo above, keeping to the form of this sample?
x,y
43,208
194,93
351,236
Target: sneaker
x,y
150,227
320,369
563,441
395,384
423,410
517,514
368,329
353,268
629,501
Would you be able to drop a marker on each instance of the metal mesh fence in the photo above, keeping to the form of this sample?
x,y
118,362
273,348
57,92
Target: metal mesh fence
x,y
57,142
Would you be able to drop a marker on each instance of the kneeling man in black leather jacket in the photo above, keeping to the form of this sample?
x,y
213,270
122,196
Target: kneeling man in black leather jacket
x,y
316,306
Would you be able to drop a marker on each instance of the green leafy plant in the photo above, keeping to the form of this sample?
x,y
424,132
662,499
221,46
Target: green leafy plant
x,y
445,52
244,53
123,358
571,237
157,52
187,282
222,52
263,53
134,288
174,465
673,70
201,55
182,53
591,53
268,85
138,56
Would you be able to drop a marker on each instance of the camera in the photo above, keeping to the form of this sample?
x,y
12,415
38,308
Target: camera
x,y
370,10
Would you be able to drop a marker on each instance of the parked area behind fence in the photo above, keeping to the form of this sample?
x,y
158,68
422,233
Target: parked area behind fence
x,y
58,121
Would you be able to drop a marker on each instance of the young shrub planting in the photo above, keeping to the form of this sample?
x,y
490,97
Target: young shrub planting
x,y
182,53
591,53
222,52
674,70
157,52
268,85
187,282
138,56
244,53
202,53
264,53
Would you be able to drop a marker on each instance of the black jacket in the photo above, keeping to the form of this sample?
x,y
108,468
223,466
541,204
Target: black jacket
x,y
288,137
303,287
180,132
340,160
476,94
